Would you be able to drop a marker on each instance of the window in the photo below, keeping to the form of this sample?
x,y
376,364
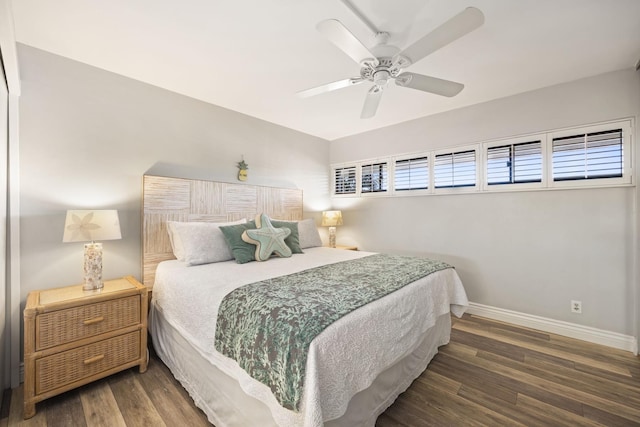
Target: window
x,y
514,163
374,178
345,180
594,155
588,156
411,174
455,169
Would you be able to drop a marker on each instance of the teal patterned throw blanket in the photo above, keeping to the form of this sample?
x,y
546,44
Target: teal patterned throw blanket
x,y
267,326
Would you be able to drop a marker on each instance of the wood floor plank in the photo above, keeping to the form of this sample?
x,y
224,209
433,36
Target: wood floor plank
x,y
486,399
64,410
575,346
459,409
548,360
622,379
545,350
482,342
4,408
15,412
606,418
551,415
5,404
572,345
383,420
404,412
413,413
154,379
504,387
100,406
597,352
443,383
458,347
136,407
589,382
489,377
491,373
561,392
165,372
506,328
174,407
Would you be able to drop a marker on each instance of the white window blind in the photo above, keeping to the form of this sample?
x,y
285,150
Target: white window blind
x,y
455,169
411,174
588,156
345,180
514,163
374,178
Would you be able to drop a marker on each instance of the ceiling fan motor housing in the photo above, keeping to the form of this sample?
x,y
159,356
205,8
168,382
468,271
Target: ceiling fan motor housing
x,y
381,73
381,77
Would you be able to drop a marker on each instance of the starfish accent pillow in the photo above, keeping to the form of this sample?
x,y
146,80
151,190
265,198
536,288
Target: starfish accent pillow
x,y
268,239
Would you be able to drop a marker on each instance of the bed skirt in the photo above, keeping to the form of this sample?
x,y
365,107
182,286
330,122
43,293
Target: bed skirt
x,y
226,405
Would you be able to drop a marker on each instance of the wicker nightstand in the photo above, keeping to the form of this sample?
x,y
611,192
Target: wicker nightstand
x,y
73,337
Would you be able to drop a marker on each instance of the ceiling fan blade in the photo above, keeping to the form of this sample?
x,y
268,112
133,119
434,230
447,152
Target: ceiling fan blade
x,y
371,102
429,84
339,35
329,87
456,27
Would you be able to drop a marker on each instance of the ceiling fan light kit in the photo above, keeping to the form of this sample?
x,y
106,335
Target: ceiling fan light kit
x,y
390,61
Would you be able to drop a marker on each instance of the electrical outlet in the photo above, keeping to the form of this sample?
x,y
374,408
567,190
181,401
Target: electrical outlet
x,y
576,307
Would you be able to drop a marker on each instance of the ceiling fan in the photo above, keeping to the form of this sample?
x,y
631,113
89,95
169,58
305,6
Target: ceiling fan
x,y
388,64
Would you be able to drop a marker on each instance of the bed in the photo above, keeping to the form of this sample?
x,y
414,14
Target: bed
x,y
354,369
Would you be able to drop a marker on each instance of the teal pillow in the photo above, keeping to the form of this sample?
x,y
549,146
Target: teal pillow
x,y
293,240
242,251
268,239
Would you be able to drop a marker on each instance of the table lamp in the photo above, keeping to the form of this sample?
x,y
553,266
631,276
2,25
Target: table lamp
x,y
89,226
331,219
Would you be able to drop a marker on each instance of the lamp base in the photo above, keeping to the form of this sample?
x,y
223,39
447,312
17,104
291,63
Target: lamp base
x,y
332,237
92,267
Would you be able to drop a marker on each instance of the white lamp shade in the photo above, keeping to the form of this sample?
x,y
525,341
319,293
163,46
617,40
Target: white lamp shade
x,y
91,225
331,218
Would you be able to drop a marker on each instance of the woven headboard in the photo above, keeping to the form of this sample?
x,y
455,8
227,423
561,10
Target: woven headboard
x,y
177,199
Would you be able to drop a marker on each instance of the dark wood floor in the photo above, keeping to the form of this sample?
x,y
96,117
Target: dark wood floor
x,y
490,374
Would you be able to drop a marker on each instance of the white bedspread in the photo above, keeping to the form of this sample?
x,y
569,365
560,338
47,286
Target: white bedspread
x,y
342,360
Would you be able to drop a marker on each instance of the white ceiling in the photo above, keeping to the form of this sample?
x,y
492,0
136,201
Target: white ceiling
x,y
252,56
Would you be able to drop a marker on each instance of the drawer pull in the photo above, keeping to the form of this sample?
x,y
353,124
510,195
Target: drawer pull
x,y
93,321
94,359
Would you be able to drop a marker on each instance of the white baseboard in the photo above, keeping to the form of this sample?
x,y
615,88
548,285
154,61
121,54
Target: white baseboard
x,y
571,330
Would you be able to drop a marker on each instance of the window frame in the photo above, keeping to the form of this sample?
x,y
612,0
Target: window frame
x,y
412,192
334,168
462,189
520,186
627,156
359,175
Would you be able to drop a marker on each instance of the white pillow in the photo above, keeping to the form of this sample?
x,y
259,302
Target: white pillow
x,y
308,234
199,242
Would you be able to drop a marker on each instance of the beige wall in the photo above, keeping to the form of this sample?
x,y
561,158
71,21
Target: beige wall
x,y
531,252
88,136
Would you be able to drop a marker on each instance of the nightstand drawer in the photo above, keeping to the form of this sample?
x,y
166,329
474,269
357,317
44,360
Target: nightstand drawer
x,y
67,367
72,324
